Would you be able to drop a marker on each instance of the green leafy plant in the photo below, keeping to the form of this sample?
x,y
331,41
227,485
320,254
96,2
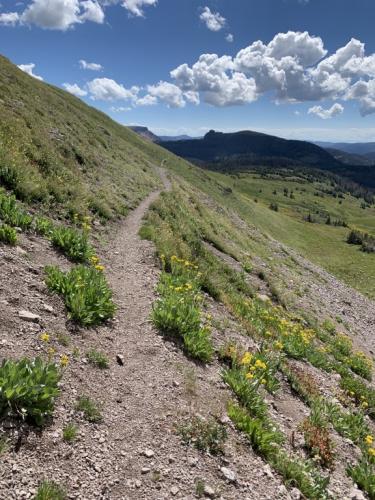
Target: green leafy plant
x,y
363,475
8,235
178,313
86,293
49,490
28,389
206,435
98,359
70,432
43,226
73,243
90,411
12,214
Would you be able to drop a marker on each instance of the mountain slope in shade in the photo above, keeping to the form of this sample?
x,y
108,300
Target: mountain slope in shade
x,y
216,145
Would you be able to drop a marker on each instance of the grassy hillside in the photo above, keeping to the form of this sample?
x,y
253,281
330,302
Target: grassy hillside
x,y
57,151
250,196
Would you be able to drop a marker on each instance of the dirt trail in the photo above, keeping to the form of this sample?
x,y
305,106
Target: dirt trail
x,y
135,452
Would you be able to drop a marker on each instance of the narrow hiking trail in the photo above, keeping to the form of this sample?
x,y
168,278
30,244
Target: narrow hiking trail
x,y
135,451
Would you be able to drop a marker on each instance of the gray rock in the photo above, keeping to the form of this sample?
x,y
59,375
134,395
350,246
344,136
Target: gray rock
x,y
48,308
295,494
148,453
356,494
267,471
229,474
263,298
29,316
145,470
208,491
174,490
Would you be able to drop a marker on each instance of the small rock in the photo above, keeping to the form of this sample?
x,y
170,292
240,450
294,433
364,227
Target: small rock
x,y
47,308
138,483
21,251
295,494
120,359
148,453
145,470
208,491
267,471
356,494
263,298
174,490
228,474
29,316
192,461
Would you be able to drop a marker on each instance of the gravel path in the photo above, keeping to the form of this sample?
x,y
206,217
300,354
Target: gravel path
x,y
135,452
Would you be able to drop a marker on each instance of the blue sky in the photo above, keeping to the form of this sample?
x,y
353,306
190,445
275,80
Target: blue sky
x,y
286,67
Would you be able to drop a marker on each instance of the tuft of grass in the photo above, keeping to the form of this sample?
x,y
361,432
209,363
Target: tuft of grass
x,y
98,359
206,435
363,474
90,410
49,490
8,235
86,293
3,445
70,432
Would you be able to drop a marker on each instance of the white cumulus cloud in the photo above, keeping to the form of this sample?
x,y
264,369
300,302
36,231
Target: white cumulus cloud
x,y
75,89
136,7
29,68
325,114
147,100
229,38
92,66
105,89
213,20
168,93
9,19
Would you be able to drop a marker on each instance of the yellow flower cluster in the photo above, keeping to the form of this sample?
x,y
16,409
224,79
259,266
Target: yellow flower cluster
x,y
64,360
96,263
369,439
45,337
184,262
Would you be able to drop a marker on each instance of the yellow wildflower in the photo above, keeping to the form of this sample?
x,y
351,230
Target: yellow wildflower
x,y
44,337
263,381
51,351
94,259
64,360
260,364
99,267
365,404
369,439
371,452
249,376
246,358
279,346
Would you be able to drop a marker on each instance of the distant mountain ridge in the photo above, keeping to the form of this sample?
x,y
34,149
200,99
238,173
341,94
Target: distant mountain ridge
x,y
359,148
252,145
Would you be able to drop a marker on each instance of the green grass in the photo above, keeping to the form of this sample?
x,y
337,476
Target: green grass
x,y
206,435
98,359
73,243
89,409
49,490
70,433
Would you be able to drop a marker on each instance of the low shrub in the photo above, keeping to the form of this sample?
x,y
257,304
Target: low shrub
x,y
318,441
12,214
43,226
73,243
28,389
86,293
206,435
178,311
8,235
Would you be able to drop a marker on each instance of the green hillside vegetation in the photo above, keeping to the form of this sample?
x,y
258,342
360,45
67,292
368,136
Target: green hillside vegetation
x,y
250,196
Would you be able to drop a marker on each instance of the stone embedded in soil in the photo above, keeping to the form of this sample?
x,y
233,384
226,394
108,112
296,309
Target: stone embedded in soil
x,y
228,474
29,316
356,494
208,491
120,359
174,490
148,453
